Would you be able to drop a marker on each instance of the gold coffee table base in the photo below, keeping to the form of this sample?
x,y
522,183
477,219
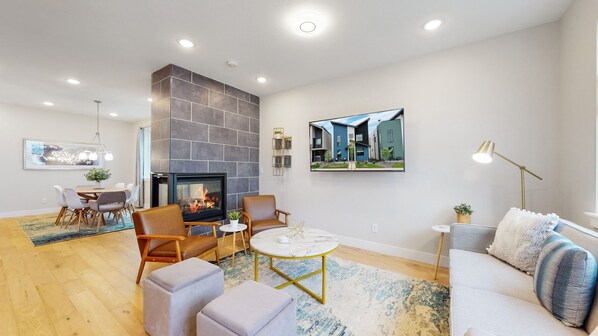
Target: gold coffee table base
x,y
291,281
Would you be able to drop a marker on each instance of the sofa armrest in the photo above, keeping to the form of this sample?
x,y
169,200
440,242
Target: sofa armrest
x,y
472,237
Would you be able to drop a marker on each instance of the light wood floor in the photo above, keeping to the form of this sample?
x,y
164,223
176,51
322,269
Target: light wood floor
x,y
87,286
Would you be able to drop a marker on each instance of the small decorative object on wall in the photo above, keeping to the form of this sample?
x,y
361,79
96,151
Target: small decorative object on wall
x,y
234,216
98,175
365,142
41,154
281,144
463,213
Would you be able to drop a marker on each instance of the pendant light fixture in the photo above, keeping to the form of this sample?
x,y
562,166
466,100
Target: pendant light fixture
x,y
93,155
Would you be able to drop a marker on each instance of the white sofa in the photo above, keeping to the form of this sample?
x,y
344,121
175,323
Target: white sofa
x,y
490,295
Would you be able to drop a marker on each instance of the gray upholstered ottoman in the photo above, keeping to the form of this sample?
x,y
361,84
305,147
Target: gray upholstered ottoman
x,y
251,309
173,295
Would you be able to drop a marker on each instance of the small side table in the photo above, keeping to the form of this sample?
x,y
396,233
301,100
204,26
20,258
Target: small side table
x,y
240,228
442,229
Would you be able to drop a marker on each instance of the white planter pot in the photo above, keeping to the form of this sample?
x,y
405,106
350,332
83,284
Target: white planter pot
x,y
100,184
234,223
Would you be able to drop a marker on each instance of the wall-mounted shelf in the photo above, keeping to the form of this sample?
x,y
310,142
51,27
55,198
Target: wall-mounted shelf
x,y
281,157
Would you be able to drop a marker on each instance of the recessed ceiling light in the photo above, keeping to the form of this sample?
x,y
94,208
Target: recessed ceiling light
x,y
186,43
149,100
307,23
261,80
113,114
47,103
432,25
73,81
307,27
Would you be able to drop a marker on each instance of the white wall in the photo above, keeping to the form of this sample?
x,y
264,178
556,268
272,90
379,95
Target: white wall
x,y
577,131
24,191
505,89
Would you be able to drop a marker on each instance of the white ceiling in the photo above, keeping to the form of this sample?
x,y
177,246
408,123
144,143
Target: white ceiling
x,y
113,46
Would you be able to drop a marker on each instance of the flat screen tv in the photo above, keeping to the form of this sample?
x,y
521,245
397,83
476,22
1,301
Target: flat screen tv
x,y
364,142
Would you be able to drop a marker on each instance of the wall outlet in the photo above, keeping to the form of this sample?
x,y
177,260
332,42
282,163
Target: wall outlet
x,y
374,228
44,200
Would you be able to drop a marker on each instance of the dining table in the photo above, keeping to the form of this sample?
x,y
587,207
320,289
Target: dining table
x,y
92,193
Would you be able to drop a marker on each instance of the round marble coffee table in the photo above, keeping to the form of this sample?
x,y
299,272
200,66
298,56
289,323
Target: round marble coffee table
x,y
312,243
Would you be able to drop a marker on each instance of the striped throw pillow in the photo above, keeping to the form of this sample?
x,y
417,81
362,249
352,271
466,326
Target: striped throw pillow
x,y
565,280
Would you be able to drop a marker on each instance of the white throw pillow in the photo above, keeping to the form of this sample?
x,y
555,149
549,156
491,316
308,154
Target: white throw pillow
x,y
519,238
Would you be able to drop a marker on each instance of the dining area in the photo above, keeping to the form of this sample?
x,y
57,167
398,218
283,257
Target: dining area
x,y
95,206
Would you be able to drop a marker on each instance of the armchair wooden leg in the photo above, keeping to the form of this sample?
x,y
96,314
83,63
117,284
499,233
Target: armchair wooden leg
x,y
141,266
217,256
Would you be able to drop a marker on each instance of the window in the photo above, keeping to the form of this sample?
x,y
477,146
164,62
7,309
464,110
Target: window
x,y
318,142
145,143
360,152
390,136
338,140
359,137
351,136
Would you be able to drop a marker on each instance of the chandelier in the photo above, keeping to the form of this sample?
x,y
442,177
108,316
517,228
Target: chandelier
x,y
101,149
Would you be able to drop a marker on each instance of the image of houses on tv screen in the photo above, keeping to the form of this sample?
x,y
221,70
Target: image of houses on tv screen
x,y
371,141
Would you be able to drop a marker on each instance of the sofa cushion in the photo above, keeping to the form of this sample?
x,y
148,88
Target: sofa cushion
x,y
502,315
483,271
565,280
519,238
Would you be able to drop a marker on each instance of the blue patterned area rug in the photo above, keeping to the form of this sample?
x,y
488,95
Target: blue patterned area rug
x,y
360,300
41,230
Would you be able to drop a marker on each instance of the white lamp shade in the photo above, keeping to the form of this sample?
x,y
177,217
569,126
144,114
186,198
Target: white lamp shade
x,y
93,156
82,156
485,152
109,156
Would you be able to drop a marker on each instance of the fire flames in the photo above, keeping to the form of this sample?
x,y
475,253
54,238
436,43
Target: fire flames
x,y
204,202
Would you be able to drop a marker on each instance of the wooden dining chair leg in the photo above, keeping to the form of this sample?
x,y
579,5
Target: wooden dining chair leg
x,y
79,222
60,214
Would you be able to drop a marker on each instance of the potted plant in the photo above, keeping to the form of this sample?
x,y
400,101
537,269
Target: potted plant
x,y
98,175
463,213
234,216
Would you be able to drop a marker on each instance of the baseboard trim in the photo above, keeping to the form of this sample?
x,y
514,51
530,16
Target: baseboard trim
x,y
394,251
10,214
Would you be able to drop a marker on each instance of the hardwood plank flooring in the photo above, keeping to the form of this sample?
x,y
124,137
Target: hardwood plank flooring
x,y
87,286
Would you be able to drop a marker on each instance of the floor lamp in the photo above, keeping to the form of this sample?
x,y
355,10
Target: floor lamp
x,y
484,155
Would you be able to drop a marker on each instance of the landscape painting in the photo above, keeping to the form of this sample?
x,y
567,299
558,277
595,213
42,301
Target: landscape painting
x,y
40,154
365,142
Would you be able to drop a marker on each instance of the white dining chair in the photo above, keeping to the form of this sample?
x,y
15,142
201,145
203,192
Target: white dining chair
x,y
120,185
130,186
62,203
132,200
76,206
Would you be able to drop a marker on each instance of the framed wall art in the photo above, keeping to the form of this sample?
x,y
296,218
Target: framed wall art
x,y
43,155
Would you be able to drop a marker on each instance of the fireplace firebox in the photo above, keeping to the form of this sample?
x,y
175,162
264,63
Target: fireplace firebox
x,y
201,197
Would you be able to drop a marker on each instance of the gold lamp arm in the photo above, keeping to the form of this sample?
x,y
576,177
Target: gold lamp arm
x,y
523,171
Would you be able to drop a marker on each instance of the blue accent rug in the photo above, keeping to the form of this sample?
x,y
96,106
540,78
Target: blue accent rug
x,y
360,300
41,230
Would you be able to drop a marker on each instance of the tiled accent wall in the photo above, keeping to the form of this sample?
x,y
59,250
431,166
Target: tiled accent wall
x,y
202,125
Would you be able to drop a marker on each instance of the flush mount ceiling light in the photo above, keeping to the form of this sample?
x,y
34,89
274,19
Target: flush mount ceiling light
x,y
73,81
186,43
307,23
47,103
114,114
149,100
432,25
261,80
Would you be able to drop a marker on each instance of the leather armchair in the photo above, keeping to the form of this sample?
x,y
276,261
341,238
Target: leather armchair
x,y
260,214
163,236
